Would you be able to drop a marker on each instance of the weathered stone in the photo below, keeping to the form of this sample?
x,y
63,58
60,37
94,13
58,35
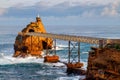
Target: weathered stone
x,y
104,64
51,59
32,45
75,68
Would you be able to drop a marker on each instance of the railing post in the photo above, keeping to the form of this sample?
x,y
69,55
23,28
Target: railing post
x,y
47,47
69,52
31,42
38,42
55,46
78,51
101,43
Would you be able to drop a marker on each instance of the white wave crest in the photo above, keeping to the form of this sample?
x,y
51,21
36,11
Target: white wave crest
x,y
12,60
4,60
71,78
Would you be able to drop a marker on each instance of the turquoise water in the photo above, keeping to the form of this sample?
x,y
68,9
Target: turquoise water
x,y
30,71
35,69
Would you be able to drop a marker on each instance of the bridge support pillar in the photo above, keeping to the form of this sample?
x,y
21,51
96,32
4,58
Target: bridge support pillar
x,y
101,43
73,65
53,58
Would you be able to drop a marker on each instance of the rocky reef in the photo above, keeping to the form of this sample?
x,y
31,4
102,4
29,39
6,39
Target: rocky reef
x,y
32,45
104,63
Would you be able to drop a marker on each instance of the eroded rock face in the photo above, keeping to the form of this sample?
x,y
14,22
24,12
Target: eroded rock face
x,y
104,64
32,45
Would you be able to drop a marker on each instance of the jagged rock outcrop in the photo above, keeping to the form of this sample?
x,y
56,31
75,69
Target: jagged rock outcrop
x,y
32,45
104,63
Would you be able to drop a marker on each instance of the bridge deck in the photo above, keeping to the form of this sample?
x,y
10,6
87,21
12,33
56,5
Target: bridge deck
x,y
91,40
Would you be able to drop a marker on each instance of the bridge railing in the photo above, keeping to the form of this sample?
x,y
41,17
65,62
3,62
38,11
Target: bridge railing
x,y
92,40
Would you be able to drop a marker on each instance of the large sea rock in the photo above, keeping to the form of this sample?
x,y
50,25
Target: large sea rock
x,y
32,45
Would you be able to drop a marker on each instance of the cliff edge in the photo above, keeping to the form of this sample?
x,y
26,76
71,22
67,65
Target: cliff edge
x,y
104,63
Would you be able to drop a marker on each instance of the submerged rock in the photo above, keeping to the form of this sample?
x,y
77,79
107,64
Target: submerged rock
x,y
32,45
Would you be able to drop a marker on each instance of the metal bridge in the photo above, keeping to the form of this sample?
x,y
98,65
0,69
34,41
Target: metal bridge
x,y
92,40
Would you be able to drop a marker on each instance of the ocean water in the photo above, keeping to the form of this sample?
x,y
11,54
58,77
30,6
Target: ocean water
x,y
32,68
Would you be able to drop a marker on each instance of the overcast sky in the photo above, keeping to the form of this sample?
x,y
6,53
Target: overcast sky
x,y
60,12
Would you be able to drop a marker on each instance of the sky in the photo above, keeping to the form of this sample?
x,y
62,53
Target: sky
x,y
60,12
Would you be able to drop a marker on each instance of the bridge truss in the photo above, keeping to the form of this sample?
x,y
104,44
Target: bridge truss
x,y
72,38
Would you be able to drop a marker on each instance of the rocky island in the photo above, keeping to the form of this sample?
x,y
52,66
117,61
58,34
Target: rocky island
x,y
32,45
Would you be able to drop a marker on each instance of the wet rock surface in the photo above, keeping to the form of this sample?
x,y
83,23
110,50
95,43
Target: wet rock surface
x,y
104,64
32,45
